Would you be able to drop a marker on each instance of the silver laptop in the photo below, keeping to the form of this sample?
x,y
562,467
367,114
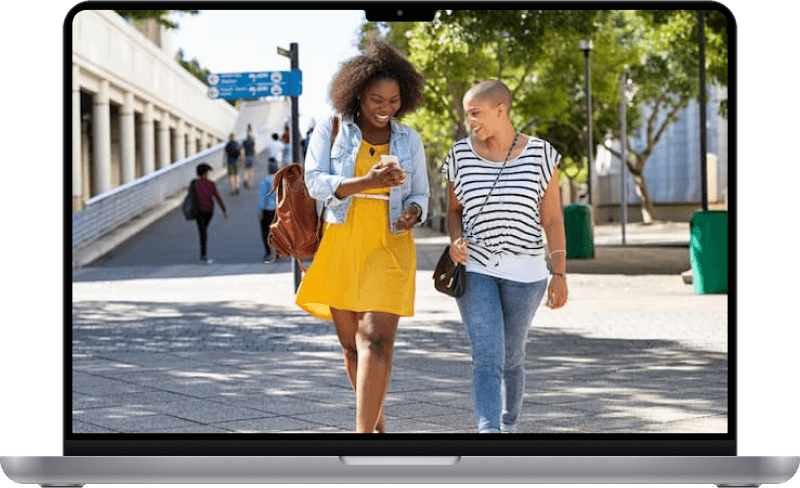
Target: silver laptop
x,y
180,371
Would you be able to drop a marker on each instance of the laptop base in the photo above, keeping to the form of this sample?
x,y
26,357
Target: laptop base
x,y
723,471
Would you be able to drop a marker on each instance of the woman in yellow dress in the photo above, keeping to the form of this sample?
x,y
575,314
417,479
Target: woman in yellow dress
x,y
363,275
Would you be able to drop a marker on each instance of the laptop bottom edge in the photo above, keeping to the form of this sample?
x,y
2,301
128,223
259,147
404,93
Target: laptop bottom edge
x,y
81,470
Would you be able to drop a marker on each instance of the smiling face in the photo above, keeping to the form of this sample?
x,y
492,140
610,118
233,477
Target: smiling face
x,y
482,116
381,100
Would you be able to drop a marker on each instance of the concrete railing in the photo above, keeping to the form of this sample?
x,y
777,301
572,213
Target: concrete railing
x,y
106,212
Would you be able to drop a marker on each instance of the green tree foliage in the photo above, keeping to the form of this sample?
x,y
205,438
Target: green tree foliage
x,y
192,66
536,53
666,79
460,48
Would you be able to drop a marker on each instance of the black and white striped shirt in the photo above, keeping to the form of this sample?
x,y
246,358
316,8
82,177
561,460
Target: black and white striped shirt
x,y
510,223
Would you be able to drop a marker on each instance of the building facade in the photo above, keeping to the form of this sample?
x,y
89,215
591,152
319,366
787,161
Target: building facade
x,y
134,109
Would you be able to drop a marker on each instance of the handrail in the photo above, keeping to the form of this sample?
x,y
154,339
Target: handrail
x,y
105,212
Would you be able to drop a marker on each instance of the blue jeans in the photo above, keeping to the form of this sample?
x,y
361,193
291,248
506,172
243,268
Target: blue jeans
x,y
497,314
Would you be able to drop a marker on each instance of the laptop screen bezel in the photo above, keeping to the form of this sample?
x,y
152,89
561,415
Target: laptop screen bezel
x,y
650,444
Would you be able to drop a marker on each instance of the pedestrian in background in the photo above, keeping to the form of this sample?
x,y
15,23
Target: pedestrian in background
x,y
232,154
267,204
363,275
206,193
503,199
249,149
287,146
275,150
307,138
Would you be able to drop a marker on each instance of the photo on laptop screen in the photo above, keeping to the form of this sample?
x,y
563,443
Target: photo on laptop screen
x,y
595,299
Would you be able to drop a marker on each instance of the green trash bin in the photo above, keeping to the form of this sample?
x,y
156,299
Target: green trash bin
x,y
708,249
578,229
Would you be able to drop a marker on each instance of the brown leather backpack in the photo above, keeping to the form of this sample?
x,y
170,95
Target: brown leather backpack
x,y
296,229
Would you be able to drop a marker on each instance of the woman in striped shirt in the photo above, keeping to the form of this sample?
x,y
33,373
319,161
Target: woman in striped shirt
x,y
504,201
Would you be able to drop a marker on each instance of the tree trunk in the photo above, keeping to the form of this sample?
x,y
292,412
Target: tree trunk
x,y
435,210
648,212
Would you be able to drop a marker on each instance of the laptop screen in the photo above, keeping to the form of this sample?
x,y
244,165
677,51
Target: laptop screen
x,y
598,315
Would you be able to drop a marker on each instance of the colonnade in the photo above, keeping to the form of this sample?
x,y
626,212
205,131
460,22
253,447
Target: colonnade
x,y
134,109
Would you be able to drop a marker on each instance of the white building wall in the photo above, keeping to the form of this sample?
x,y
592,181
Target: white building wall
x,y
142,78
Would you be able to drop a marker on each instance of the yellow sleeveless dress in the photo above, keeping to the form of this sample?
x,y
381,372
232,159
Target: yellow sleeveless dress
x,y
360,265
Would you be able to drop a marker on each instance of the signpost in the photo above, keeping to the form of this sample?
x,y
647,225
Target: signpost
x,y
232,86
294,65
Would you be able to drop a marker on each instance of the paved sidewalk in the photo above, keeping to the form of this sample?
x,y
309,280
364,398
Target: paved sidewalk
x,y
222,348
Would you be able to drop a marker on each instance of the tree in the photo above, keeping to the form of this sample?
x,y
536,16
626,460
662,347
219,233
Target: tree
x,y
665,80
192,66
535,52
556,102
460,48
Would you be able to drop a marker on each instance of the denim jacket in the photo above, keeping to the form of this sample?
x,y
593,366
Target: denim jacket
x,y
326,167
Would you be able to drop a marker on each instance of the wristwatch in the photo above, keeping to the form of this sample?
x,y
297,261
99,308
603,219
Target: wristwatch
x,y
418,210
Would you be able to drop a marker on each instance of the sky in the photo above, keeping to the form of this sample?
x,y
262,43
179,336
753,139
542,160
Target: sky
x,y
229,41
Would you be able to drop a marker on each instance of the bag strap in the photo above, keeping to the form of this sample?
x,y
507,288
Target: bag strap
x,y
508,156
320,219
334,129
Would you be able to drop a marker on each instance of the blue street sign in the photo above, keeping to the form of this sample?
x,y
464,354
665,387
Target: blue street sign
x,y
253,85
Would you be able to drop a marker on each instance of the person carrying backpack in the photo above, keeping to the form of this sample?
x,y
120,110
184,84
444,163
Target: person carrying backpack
x,y
206,193
275,150
249,148
232,154
364,271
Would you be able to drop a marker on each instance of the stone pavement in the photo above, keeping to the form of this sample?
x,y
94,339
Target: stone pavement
x,y
164,344
222,348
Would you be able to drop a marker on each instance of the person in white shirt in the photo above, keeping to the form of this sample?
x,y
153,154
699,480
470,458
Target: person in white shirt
x,y
276,150
504,199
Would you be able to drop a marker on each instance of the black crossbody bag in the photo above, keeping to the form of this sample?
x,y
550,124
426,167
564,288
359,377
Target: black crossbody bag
x,y
450,277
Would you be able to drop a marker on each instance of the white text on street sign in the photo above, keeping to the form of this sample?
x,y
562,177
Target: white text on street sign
x,y
255,84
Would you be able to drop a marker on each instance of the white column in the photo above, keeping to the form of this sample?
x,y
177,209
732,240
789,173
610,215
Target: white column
x,y
148,140
128,140
180,140
192,149
102,140
77,177
164,142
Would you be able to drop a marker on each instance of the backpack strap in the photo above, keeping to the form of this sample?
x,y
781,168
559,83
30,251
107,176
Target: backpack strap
x,y
334,129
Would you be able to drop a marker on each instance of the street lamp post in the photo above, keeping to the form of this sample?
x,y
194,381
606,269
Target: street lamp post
x,y
294,64
579,218
586,47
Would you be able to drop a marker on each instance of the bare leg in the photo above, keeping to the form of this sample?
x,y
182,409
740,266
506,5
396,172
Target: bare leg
x,y
234,182
375,344
367,341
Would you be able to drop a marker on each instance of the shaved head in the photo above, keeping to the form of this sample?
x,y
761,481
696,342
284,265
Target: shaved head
x,y
493,91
